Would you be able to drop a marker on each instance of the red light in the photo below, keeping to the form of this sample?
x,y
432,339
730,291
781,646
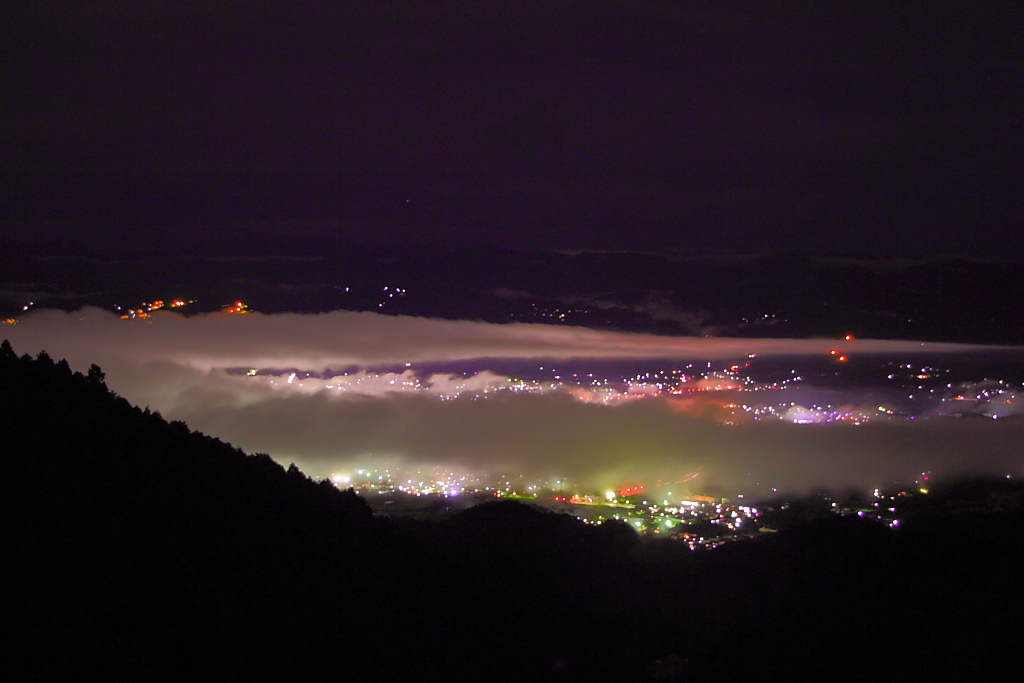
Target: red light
x,y
849,337
841,359
833,352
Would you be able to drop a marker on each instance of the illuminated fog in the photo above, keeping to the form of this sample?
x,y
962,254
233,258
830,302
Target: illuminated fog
x,y
372,404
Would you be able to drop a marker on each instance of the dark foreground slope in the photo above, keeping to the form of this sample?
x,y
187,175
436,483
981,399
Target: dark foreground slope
x,y
138,550
142,547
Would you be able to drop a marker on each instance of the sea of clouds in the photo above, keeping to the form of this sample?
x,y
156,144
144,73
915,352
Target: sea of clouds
x,y
186,368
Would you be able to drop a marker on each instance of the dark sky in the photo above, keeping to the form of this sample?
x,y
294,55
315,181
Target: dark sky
x,y
861,126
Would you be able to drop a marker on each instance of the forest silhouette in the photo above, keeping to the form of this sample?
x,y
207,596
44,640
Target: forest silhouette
x,y
138,549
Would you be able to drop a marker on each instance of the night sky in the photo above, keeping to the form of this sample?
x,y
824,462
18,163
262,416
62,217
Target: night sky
x,y
867,127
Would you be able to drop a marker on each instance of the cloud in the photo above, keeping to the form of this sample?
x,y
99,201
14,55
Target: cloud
x,y
180,366
345,338
597,446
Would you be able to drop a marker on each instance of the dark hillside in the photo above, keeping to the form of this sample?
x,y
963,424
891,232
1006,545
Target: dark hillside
x,y
143,549
137,549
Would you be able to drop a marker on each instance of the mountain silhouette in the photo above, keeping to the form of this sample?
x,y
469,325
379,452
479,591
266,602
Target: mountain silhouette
x,y
138,549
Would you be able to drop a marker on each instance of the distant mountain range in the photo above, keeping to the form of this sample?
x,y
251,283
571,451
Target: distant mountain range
x,y
933,298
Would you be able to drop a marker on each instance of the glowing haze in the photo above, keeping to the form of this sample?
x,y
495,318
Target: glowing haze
x,y
379,411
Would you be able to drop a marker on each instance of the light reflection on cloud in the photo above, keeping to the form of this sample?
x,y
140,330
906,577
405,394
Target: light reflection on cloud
x,y
599,436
